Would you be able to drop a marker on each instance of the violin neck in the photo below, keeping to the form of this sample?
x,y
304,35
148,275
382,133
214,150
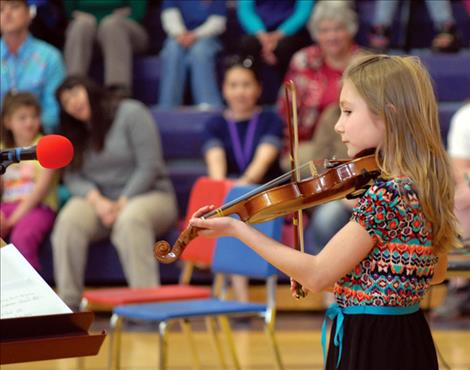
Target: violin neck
x,y
222,211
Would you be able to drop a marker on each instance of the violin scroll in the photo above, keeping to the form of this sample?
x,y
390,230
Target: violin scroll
x,y
165,253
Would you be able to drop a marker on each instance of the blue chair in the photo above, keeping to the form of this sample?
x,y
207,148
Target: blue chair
x,y
231,257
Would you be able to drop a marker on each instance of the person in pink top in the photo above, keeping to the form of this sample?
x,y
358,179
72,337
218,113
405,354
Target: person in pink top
x,y
28,191
316,71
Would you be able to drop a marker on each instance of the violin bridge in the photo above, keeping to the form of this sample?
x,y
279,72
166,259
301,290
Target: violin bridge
x,y
313,169
330,163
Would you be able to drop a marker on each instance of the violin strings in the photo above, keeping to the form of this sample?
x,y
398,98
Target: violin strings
x,y
259,189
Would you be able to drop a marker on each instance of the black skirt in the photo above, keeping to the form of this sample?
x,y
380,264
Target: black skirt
x,y
384,342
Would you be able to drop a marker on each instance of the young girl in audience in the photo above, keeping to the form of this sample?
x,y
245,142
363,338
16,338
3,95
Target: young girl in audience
x,y
382,262
244,142
29,191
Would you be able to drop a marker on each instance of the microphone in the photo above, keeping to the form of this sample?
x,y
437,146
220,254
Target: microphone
x,y
51,151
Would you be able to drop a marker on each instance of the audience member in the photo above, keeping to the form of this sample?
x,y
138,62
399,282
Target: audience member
x,y
316,71
28,64
440,11
244,142
119,187
192,44
29,191
115,25
459,150
457,300
274,29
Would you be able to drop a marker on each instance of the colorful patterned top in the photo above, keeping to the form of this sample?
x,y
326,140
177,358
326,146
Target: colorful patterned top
x,y
399,268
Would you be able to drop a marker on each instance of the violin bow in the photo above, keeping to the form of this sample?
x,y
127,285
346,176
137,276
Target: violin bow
x,y
292,122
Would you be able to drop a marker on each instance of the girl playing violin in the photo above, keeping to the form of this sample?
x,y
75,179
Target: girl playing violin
x,y
382,262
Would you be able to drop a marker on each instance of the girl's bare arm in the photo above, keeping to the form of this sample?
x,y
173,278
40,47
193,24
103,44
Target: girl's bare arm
x,y
216,163
265,155
316,273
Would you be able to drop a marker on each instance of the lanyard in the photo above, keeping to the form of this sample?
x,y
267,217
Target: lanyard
x,y
242,156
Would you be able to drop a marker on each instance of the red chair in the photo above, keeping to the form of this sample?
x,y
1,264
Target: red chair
x,y
198,253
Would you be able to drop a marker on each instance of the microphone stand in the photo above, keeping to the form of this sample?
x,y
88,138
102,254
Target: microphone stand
x,y
4,164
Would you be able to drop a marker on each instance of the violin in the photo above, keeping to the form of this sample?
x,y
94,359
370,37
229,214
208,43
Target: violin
x,y
342,178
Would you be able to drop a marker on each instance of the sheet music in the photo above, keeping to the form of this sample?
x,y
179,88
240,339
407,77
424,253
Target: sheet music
x,y
23,292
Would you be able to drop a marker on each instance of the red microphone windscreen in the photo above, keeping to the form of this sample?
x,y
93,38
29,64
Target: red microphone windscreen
x,y
54,151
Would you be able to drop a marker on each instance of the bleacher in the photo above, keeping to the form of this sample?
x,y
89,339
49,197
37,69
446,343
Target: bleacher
x,y
181,132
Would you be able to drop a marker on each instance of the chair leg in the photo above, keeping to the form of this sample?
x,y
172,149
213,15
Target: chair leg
x,y
224,323
269,330
186,326
114,361
211,326
81,360
80,363
163,333
84,305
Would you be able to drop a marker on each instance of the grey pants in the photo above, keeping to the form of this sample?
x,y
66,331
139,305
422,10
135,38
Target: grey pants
x,y
440,12
133,234
118,37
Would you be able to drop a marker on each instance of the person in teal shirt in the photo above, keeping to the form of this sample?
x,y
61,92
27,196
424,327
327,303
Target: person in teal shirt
x,y
274,29
28,64
115,25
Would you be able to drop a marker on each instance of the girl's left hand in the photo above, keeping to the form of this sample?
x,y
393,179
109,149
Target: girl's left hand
x,y
214,227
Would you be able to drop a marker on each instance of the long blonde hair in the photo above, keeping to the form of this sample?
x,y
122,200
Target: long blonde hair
x,y
399,91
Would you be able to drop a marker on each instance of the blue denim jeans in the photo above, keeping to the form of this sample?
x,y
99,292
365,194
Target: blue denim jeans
x,y
440,12
199,60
